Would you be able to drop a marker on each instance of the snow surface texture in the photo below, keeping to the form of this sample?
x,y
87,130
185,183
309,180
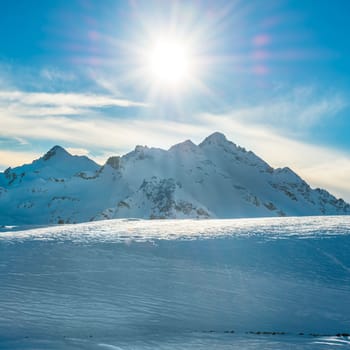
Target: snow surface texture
x,y
177,284
215,179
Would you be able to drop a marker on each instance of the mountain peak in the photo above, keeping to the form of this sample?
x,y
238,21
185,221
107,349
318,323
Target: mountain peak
x,y
114,162
140,148
55,150
184,146
216,138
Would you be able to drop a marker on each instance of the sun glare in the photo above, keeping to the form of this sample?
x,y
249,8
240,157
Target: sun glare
x,y
170,62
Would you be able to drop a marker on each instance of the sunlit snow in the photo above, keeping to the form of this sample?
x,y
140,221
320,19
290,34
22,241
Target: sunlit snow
x,y
186,284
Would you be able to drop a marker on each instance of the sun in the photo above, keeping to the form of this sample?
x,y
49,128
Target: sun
x,y
170,62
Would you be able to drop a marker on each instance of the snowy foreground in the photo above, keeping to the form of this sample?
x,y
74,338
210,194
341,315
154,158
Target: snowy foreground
x,y
187,284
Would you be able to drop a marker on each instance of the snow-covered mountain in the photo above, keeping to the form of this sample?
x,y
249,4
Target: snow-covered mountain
x,y
215,179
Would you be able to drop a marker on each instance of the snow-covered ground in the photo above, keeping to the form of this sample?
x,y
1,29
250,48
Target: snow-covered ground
x,y
186,284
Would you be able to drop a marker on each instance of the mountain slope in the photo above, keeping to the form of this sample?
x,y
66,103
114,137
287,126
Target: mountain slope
x,y
213,179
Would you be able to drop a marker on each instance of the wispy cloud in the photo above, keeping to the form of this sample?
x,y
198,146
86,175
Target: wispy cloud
x,y
75,100
54,74
293,111
105,82
78,151
21,141
98,132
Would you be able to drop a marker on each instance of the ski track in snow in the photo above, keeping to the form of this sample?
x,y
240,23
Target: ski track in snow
x,y
177,284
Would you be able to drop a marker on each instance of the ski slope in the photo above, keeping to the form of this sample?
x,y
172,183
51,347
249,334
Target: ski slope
x,y
177,284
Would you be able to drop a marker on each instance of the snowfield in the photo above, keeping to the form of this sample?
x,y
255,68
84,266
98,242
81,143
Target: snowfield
x,y
277,283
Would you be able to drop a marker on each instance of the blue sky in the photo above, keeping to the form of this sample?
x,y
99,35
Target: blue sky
x,y
272,75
